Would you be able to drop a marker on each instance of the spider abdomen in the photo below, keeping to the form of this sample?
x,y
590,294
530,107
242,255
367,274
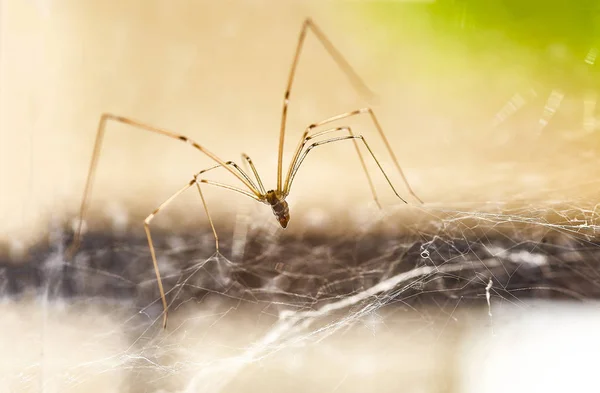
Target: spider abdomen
x,y
280,208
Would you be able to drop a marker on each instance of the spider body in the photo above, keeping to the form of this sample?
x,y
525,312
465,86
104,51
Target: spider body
x,y
254,189
280,207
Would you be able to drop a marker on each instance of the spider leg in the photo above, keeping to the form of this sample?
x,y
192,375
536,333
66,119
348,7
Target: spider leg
x,y
341,62
341,138
237,167
377,125
306,139
149,219
227,186
96,155
260,183
151,245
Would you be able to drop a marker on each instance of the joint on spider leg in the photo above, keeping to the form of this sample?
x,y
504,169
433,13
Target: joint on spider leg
x,y
398,195
190,141
165,318
286,101
198,181
247,158
110,116
149,218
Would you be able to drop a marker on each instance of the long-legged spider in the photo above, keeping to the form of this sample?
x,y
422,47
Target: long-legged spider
x,y
255,190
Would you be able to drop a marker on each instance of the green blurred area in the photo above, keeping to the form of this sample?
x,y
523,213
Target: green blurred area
x,y
552,33
532,23
466,54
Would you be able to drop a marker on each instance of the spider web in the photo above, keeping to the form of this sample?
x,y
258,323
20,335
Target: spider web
x,y
302,289
409,271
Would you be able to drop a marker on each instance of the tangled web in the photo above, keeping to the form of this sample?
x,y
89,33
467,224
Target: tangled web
x,y
309,287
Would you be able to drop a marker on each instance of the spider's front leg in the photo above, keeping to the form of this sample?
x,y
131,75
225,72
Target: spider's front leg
x,y
354,138
196,180
309,134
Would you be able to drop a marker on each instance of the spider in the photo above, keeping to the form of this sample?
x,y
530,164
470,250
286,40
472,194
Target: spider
x,y
254,188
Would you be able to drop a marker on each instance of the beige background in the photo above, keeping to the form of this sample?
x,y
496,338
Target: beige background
x,y
217,73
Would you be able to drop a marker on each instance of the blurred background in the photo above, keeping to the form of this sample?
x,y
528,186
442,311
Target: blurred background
x,y
484,102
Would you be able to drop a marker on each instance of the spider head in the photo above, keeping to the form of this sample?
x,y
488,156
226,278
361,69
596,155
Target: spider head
x,y
280,207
